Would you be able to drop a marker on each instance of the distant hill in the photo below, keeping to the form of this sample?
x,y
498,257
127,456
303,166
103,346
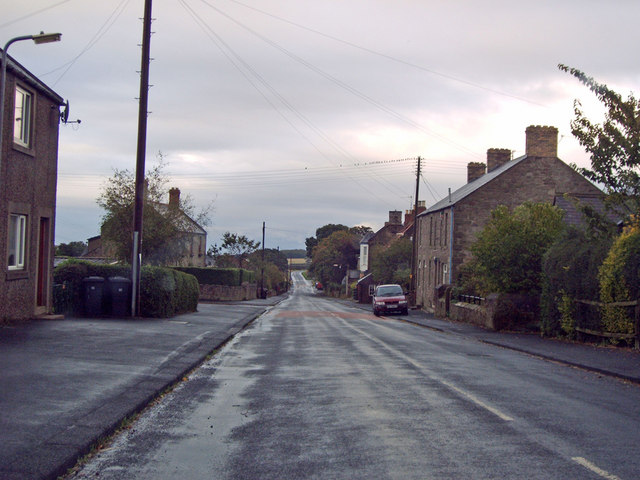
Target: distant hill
x,y
295,253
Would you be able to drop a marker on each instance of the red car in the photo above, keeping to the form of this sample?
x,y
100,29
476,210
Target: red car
x,y
390,299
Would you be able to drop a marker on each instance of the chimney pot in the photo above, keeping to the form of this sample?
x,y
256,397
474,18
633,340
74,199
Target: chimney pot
x,y
542,141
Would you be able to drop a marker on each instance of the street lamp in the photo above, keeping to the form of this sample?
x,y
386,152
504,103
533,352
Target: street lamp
x,y
37,39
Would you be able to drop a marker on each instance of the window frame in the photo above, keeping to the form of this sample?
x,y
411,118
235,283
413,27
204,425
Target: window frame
x,y
23,137
20,242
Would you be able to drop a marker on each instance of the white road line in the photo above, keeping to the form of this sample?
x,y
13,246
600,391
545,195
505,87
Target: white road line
x,y
446,383
594,468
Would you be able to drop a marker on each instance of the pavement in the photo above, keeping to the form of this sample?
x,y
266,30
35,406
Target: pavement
x,y
65,384
622,363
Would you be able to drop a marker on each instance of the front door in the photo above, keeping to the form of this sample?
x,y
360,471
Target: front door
x,y
42,283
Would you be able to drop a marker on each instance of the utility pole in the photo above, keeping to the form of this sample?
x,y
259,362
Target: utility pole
x,y
414,254
262,266
138,205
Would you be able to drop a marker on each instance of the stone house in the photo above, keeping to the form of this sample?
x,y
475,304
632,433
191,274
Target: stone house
x,y
194,238
447,229
28,178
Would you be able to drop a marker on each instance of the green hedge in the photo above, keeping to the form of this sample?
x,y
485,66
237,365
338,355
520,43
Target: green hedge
x,y
232,277
164,292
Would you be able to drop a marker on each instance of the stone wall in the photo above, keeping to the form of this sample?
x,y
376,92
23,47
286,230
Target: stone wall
x,y
225,293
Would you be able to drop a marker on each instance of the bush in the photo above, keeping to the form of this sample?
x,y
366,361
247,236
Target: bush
x,y
619,281
164,292
570,272
71,273
219,276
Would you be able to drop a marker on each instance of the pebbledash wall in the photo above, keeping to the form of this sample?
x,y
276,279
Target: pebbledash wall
x,y
28,176
447,229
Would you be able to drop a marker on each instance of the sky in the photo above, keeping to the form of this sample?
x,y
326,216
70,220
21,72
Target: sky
x,y
303,113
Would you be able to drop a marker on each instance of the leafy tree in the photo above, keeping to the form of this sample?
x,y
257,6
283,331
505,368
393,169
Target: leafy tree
x,y
614,145
71,249
321,234
310,243
163,229
508,251
327,230
334,255
392,264
238,247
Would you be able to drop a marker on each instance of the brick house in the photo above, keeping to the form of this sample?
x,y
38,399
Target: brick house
x,y
448,228
194,238
28,177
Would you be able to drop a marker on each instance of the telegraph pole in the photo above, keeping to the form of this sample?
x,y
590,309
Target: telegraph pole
x,y
138,205
414,254
262,266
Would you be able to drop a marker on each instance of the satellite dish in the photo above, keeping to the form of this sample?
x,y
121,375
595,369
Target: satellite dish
x,y
64,115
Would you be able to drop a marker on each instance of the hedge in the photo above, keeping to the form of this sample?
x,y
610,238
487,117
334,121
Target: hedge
x,y
232,277
164,292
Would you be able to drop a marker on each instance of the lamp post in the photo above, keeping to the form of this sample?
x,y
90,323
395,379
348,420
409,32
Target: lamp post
x,y
37,39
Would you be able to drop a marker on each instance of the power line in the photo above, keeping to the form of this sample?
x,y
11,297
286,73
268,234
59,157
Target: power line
x,y
237,61
344,85
32,14
389,57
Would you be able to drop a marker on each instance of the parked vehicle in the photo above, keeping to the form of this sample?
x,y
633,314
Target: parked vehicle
x,y
390,299
318,286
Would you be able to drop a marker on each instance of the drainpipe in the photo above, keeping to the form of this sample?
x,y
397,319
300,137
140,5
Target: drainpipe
x,y
451,223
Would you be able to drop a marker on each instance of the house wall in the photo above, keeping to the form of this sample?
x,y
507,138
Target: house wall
x,y
28,179
536,179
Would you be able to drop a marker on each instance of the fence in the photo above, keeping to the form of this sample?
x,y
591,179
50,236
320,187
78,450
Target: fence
x,y
471,299
585,330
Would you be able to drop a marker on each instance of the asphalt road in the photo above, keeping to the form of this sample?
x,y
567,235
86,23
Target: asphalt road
x,y
316,389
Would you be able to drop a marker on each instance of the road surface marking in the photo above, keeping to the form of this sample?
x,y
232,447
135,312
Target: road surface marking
x,y
451,386
595,469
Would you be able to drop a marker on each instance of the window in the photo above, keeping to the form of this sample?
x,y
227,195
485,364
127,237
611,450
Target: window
x,y
17,241
22,118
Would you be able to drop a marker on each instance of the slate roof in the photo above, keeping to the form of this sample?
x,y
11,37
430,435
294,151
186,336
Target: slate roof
x,y
573,216
28,77
471,187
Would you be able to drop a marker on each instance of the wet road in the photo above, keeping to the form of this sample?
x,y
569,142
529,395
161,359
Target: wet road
x,y
315,389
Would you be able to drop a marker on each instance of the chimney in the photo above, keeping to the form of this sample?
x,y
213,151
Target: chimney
x,y
395,217
409,215
496,157
475,170
542,141
174,197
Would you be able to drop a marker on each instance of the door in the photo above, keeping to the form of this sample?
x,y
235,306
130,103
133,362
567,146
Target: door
x,y
44,249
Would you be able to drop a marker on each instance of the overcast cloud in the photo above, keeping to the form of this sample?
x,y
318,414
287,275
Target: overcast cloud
x,y
294,112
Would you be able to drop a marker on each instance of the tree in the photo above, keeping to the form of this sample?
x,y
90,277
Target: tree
x,y
163,230
71,249
392,263
508,252
310,243
238,247
334,255
614,145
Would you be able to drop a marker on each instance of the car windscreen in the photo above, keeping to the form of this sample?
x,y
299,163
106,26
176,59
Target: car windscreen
x,y
389,291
